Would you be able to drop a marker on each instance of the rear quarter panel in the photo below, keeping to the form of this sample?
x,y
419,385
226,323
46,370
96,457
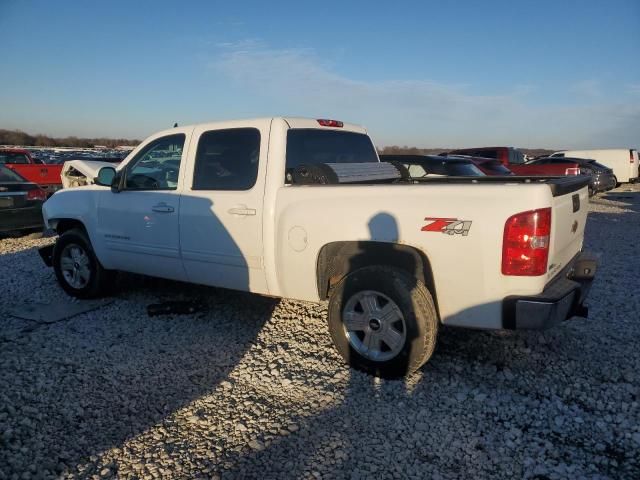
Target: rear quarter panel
x,y
466,268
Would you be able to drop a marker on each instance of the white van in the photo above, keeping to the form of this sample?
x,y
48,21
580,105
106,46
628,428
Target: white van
x,y
623,161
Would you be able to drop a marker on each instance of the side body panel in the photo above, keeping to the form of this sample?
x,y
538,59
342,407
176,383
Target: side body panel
x,y
466,268
542,169
41,174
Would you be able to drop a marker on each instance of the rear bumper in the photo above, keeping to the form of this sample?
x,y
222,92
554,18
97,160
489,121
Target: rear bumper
x,y
562,298
21,218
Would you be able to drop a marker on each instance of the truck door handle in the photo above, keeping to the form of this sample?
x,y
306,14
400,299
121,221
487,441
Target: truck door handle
x,y
163,208
242,210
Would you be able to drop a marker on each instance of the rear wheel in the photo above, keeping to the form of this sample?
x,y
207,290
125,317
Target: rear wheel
x,y
77,269
383,321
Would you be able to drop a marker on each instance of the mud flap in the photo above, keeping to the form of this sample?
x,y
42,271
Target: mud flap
x,y
46,253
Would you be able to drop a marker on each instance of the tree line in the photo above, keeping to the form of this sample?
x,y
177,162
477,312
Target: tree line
x,y
18,137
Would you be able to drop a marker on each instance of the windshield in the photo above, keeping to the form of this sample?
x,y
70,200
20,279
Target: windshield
x,y
496,168
419,169
461,169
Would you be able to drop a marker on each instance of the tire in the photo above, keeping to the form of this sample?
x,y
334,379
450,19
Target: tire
x,y
411,321
73,253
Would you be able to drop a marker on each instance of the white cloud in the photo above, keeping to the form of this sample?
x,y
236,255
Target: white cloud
x,y
420,112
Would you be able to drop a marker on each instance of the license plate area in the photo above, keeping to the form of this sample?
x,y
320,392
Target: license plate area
x,y
6,202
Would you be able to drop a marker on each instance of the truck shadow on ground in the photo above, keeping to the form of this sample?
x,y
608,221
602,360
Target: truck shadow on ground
x,y
106,378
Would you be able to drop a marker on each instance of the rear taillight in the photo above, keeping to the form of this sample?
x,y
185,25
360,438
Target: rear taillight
x,y
572,171
330,123
525,245
36,194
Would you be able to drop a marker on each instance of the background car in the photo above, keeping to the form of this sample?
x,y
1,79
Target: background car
x,y
422,165
623,161
20,202
489,166
602,177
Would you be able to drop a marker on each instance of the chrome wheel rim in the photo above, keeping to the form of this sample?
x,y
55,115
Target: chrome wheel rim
x,y
74,265
374,325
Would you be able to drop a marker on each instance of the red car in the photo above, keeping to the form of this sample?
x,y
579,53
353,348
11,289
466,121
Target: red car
x,y
514,160
21,161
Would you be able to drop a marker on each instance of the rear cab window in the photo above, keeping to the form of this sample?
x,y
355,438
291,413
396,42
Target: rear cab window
x,y
517,157
306,146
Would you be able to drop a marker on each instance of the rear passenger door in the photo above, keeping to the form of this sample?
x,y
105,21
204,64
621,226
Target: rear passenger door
x,y
222,204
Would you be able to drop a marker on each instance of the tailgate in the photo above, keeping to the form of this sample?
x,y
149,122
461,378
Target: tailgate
x,y
570,206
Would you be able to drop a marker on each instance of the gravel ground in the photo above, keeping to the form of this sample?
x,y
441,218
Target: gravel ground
x,y
252,388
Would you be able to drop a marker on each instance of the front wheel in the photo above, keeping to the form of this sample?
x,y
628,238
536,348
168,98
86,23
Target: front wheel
x,y
383,321
77,269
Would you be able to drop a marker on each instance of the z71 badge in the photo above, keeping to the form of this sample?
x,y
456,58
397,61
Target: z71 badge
x,y
450,226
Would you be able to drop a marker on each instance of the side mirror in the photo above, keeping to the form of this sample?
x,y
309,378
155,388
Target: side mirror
x,y
106,177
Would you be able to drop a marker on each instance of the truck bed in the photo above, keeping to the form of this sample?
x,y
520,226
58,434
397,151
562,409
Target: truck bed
x,y
559,185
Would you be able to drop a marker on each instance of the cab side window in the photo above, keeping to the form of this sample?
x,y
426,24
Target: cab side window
x,y
156,167
227,159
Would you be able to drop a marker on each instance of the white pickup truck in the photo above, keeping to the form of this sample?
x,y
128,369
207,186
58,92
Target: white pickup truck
x,y
217,204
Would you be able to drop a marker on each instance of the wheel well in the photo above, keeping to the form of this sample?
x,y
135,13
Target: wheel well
x,y
64,224
338,259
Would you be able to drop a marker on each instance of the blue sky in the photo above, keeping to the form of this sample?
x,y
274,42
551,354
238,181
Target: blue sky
x,y
527,73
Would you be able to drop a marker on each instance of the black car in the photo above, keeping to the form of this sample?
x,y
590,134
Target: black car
x,y
423,165
602,177
20,202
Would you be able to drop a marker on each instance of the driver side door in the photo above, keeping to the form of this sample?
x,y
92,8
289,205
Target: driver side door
x,y
138,225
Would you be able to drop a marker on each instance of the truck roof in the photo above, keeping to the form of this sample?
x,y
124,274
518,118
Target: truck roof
x,y
292,122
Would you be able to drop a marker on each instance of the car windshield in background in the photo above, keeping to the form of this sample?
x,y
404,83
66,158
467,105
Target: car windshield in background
x,y
13,157
496,167
462,169
599,166
313,146
7,175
